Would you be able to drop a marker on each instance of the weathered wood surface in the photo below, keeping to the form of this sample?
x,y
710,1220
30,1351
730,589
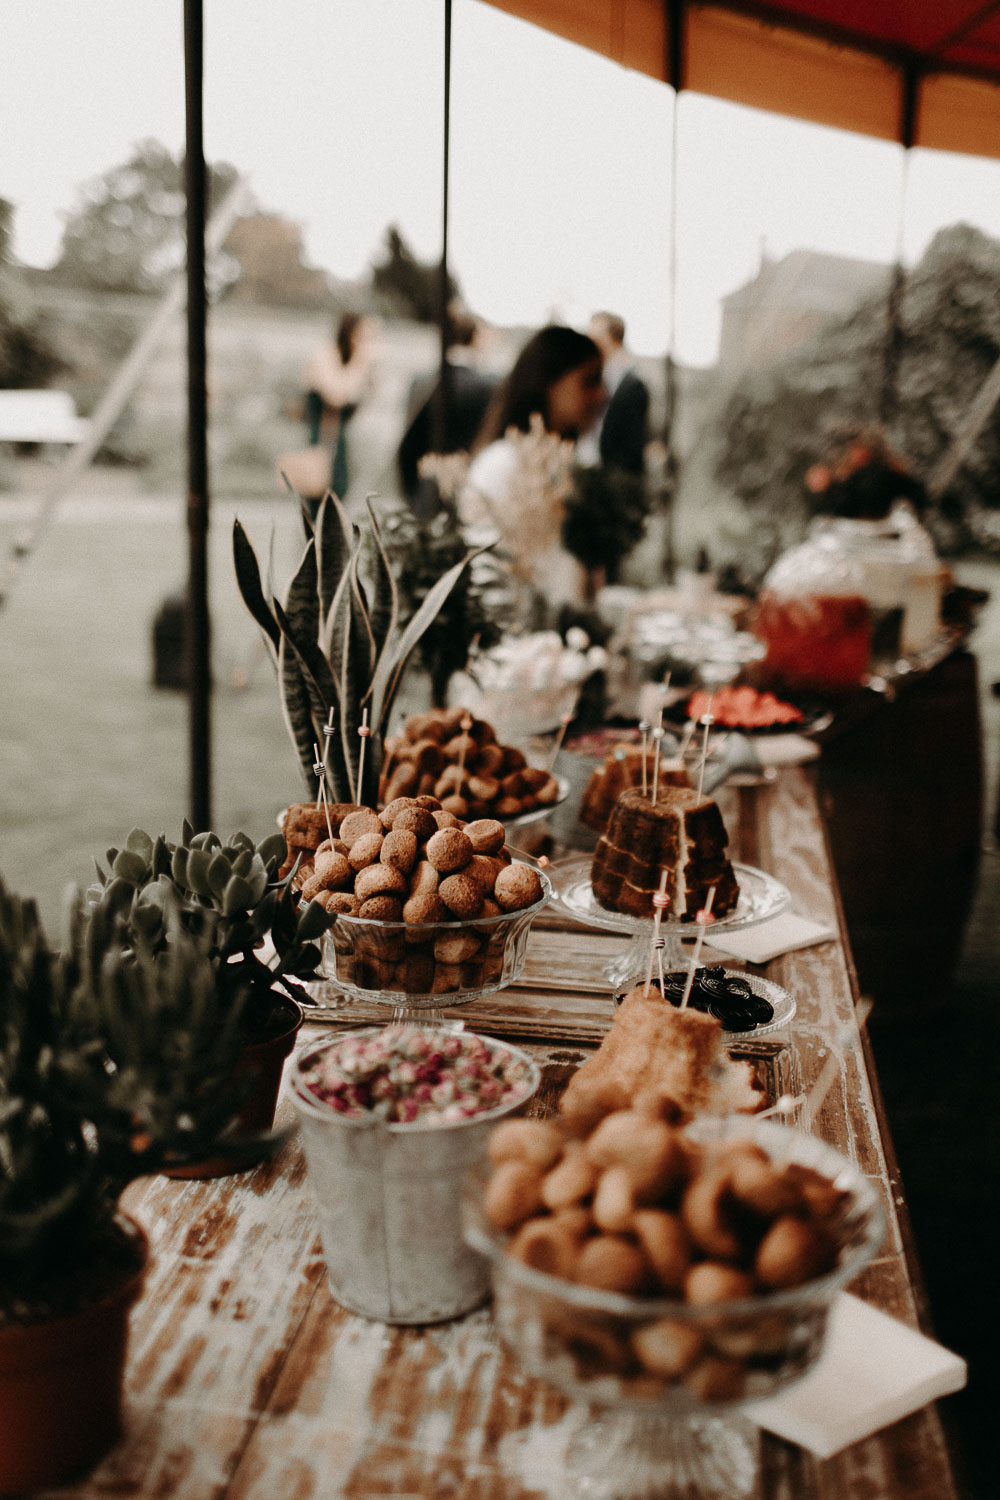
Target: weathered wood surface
x,y
246,1381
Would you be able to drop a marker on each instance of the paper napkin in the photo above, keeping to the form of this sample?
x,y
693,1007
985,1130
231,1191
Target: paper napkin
x,y
767,940
873,1371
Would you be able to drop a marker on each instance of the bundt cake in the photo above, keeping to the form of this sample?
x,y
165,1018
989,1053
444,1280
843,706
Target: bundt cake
x,y
622,769
682,833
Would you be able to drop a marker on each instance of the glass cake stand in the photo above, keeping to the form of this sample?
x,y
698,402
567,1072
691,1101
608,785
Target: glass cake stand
x,y
761,897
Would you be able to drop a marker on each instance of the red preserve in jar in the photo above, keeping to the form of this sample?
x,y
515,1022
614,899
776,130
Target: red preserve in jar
x,y
817,640
813,617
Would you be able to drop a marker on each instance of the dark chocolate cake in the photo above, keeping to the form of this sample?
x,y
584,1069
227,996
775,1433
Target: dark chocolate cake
x,y
681,833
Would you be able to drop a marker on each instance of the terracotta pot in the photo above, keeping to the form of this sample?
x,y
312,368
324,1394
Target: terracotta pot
x,y
61,1387
266,1061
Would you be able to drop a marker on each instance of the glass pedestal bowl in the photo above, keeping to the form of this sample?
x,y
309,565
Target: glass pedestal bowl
x,y
427,965
649,1433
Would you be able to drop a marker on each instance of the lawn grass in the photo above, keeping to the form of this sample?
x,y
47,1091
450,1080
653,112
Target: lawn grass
x,y
88,747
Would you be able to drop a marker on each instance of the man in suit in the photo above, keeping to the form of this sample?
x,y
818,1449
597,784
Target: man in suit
x,y
624,429
469,393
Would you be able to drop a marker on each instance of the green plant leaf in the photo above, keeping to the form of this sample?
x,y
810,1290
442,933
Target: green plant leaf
x,y
295,707
385,595
249,584
140,843
160,863
219,873
243,863
273,847
313,921
178,866
197,872
130,866
237,896
393,659
333,548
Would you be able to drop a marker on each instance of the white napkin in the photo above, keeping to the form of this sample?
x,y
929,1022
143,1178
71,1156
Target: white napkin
x,y
873,1371
780,935
785,749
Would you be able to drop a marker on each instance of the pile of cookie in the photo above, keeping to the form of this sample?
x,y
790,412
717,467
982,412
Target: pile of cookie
x,y
638,1207
450,755
421,871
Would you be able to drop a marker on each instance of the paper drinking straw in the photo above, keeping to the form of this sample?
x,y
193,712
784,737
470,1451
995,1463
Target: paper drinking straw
x,y
319,767
708,721
365,734
703,918
657,741
660,901
565,720
644,728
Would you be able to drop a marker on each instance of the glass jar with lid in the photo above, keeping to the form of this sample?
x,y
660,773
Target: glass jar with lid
x,y
814,616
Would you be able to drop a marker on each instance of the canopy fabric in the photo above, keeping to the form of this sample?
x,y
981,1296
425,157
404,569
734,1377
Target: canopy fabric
x,y
922,72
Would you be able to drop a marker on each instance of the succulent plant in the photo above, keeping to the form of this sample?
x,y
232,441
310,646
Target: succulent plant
x,y
115,1061
230,896
338,649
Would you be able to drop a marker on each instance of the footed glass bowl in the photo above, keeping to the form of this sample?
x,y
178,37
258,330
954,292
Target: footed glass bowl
x,y
656,1434
427,965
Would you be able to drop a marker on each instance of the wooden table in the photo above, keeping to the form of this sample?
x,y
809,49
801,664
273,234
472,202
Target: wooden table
x,y
245,1379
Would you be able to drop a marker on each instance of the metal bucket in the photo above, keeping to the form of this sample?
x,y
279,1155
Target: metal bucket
x,y
389,1203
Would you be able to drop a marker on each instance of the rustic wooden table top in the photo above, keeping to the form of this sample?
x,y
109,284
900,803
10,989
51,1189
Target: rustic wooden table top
x,y
245,1379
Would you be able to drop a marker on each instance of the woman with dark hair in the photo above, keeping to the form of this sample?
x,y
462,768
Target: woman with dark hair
x,y
519,479
336,378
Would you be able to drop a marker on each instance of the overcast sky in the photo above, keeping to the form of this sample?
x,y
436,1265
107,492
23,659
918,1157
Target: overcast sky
x,y
560,167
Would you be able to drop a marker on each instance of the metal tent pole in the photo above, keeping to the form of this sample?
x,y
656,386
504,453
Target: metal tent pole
x,y
442,402
198,621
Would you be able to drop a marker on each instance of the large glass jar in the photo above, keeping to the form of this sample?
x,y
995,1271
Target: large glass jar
x,y
814,617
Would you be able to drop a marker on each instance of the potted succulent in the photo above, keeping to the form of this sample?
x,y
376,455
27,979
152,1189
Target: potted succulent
x,y
228,895
339,647
115,1061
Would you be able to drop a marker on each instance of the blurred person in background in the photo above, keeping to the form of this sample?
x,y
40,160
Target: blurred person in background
x,y
453,429
619,441
521,475
337,377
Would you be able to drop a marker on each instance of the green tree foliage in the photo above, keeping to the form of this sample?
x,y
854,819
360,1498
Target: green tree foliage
x,y
407,286
126,232
28,359
778,421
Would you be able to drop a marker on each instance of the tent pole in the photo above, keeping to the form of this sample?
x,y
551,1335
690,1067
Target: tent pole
x,y
198,633
442,401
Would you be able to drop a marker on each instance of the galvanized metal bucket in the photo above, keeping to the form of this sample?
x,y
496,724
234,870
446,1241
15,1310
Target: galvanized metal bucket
x,y
389,1203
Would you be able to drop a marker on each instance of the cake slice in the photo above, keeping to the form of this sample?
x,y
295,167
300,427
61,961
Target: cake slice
x,y
659,1058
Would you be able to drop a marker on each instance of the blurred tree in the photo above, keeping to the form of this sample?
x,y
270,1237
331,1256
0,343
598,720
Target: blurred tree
x,y
269,254
28,359
779,420
407,286
126,232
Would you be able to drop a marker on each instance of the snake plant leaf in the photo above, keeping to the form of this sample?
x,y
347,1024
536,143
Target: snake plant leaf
x,y
385,596
333,548
312,660
140,843
301,604
319,705
385,683
130,866
249,584
296,709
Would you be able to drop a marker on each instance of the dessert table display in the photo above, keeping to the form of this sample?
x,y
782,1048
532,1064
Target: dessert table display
x,y
246,1378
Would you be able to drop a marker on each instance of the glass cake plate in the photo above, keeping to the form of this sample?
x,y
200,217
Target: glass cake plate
x,y
761,897
781,1002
